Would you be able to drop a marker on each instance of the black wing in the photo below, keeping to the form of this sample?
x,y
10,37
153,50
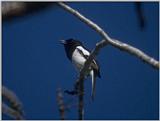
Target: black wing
x,y
94,63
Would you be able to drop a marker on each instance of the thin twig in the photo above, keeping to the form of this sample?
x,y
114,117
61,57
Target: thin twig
x,y
11,112
11,10
15,104
140,15
61,103
81,100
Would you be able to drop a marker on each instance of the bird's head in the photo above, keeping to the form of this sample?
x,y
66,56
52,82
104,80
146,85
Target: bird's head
x,y
70,45
70,42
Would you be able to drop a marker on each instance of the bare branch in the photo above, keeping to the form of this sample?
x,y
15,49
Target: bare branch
x,y
12,9
15,104
81,99
11,112
140,15
107,40
61,103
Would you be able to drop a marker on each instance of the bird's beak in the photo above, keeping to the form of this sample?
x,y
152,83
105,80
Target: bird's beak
x,y
62,41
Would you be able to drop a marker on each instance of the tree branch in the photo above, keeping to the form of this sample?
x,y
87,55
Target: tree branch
x,y
11,112
15,110
81,95
11,10
107,40
60,102
140,15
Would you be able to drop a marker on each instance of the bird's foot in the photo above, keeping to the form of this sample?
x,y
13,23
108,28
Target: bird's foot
x,y
74,91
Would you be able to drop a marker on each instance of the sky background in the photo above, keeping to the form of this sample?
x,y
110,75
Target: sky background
x,y
34,64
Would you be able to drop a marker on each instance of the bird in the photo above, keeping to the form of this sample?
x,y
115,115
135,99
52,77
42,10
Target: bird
x,y
78,55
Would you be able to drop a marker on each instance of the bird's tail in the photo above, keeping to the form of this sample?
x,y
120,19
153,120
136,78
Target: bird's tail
x,y
93,76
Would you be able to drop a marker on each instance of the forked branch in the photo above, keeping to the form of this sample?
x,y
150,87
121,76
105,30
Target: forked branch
x,y
116,43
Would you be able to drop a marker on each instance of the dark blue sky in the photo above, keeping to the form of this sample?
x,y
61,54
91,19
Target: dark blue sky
x,y
35,65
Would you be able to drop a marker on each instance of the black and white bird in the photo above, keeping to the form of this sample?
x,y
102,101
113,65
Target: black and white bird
x,y
78,54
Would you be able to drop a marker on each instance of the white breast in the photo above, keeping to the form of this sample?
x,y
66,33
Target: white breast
x,y
77,59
